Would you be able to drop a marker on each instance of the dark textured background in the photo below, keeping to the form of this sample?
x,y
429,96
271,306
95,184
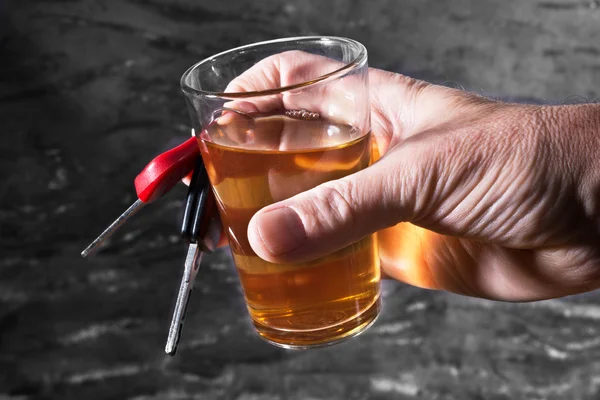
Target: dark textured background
x,y
89,93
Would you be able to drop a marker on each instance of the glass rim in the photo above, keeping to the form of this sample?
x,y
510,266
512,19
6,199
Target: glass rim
x,y
356,62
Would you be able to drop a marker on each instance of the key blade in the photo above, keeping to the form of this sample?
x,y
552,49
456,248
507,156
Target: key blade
x,y
192,263
112,228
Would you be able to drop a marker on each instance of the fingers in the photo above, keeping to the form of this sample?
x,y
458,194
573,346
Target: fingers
x,y
331,100
429,260
281,70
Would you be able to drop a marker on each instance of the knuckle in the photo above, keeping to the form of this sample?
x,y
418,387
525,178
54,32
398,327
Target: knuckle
x,y
413,189
335,204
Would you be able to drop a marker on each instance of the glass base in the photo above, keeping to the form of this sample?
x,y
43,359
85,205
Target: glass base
x,y
303,340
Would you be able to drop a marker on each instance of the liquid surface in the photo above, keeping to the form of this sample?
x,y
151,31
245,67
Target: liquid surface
x,y
281,156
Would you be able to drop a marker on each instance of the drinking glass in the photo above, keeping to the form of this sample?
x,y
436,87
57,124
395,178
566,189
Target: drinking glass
x,y
274,119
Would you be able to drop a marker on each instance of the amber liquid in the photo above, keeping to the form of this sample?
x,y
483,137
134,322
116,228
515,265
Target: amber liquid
x,y
251,165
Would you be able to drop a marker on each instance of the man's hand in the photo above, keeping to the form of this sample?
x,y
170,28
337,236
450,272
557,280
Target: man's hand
x,y
508,194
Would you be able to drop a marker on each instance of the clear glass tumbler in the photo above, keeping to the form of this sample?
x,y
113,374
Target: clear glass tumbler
x,y
274,119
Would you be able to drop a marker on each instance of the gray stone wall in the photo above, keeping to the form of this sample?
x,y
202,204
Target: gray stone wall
x,y
89,93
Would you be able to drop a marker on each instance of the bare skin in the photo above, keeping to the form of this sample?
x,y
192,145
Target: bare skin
x,y
508,195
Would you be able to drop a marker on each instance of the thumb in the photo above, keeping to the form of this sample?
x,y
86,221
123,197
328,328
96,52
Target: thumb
x,y
334,214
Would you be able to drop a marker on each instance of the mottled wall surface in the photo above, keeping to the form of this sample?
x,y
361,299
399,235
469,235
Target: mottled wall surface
x,y
89,93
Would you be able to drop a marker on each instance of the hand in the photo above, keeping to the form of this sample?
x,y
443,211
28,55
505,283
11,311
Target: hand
x,y
508,194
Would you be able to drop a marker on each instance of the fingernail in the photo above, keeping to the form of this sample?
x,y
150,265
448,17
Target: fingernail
x,y
281,230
